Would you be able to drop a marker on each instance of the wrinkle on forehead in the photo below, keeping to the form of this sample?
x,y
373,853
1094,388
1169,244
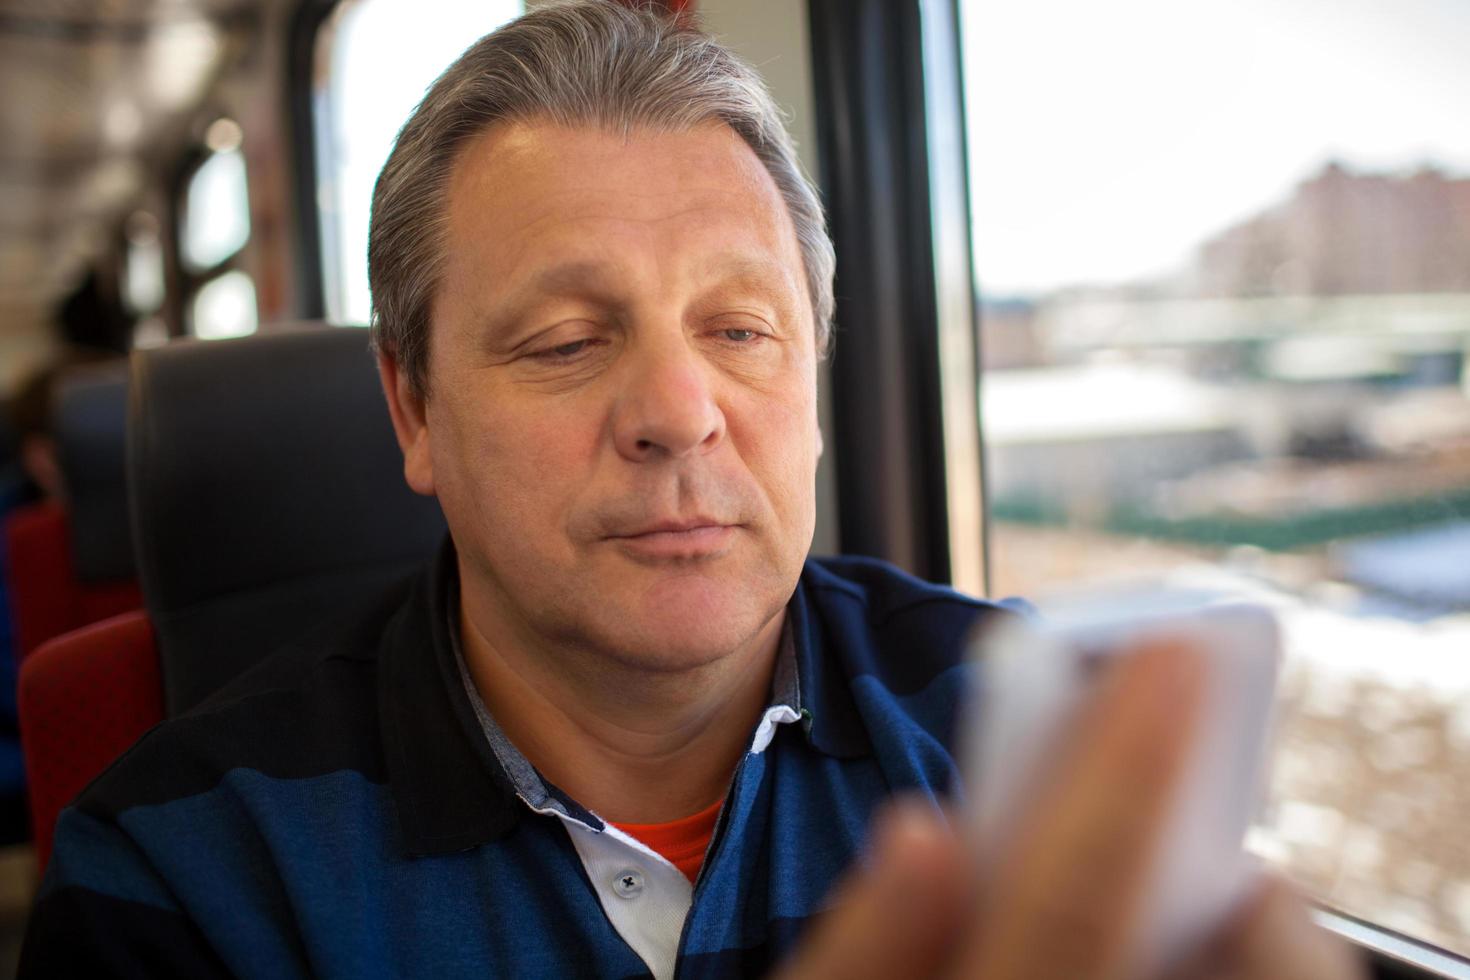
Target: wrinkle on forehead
x,y
525,194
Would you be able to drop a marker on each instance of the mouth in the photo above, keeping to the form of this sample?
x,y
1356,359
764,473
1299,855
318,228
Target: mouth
x,y
677,540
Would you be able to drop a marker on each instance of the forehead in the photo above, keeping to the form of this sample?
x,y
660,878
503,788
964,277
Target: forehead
x,y
526,193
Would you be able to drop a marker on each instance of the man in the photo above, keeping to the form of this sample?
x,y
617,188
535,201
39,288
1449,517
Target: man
x,y
621,727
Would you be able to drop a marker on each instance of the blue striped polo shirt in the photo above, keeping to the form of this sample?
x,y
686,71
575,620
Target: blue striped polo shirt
x,y
345,810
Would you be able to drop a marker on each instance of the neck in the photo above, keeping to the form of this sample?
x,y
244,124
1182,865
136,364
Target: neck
x,y
633,745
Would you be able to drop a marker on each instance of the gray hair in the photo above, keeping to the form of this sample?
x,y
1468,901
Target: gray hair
x,y
578,63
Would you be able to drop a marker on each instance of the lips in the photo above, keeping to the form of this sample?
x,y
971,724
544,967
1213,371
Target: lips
x,y
673,527
676,540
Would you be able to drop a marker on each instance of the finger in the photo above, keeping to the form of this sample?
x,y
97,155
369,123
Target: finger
x,y
896,917
1065,900
1274,937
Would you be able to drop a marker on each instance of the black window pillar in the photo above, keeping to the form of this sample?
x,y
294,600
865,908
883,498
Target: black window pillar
x,y
869,80
307,21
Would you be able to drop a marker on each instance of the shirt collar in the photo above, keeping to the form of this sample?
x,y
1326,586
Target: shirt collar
x,y
829,713
456,785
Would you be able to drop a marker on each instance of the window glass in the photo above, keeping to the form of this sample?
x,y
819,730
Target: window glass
x,y
224,307
143,265
359,106
217,203
1223,254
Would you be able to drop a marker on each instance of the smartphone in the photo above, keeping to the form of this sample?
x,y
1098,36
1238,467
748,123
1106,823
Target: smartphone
x,y
1031,677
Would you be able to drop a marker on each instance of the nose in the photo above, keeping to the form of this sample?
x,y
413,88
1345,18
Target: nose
x,y
667,408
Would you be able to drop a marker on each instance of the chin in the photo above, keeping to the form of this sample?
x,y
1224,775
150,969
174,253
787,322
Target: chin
x,y
689,620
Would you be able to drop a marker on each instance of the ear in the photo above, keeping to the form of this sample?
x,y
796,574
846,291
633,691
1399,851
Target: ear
x,y
410,423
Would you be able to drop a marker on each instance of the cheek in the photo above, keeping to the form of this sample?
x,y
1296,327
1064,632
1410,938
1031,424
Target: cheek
x,y
513,466
777,437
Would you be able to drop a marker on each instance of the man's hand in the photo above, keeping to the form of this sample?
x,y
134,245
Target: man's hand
x,y
1064,902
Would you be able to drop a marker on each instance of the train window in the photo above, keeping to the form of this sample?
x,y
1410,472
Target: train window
x,y
224,307
217,201
1223,255
143,279
357,108
143,264
219,299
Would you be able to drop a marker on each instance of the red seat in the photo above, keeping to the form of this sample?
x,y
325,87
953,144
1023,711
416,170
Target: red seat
x,y
39,574
103,600
85,698
47,598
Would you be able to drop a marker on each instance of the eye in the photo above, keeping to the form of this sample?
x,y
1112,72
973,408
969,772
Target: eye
x,y
563,352
739,336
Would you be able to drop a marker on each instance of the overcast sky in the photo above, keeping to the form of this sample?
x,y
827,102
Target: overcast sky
x,y
1108,139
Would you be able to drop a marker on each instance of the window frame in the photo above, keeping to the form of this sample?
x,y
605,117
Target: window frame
x,y
181,284
307,21
1393,955
888,416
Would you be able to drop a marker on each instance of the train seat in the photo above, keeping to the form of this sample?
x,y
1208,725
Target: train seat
x,y
267,495
90,419
39,574
70,565
48,595
85,698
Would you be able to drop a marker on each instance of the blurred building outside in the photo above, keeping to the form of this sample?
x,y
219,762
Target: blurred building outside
x,y
1288,417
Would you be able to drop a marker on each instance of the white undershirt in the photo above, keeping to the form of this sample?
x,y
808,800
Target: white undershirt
x,y
645,897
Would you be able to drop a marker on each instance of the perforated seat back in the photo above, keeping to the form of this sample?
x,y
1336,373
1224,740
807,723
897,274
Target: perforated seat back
x,y
268,496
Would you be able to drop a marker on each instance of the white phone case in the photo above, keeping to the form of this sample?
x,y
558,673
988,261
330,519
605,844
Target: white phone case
x,y
1029,680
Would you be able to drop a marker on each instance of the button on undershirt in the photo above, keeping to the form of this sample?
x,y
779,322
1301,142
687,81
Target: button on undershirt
x,y
628,883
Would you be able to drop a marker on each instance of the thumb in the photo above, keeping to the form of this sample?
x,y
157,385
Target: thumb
x,y
1274,936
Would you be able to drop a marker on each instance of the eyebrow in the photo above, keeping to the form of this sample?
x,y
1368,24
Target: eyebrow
x,y
576,279
566,278
749,269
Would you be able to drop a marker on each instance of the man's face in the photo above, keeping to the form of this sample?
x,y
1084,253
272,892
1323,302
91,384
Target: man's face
x,y
621,425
